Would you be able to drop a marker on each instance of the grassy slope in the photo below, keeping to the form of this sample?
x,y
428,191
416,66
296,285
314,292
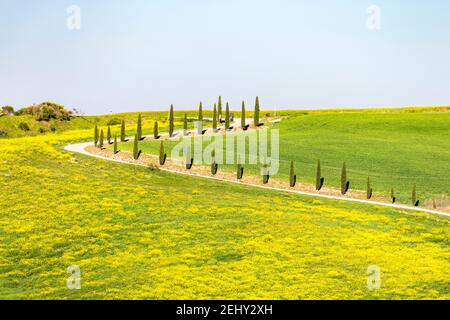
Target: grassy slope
x,y
142,234
394,147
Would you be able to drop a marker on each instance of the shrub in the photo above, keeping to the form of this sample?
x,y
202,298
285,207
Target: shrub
x,y
292,176
139,128
101,142
171,126
52,128
345,184
3,133
95,135
24,126
319,179
8,110
114,122
162,154
256,114
155,130
46,111
116,148
393,196
42,130
136,151
122,132
369,189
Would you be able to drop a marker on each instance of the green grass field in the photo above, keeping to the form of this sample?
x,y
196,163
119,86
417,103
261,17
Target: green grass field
x,y
138,233
394,149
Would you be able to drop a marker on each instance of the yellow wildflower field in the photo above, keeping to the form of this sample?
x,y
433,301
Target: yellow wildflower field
x,y
139,233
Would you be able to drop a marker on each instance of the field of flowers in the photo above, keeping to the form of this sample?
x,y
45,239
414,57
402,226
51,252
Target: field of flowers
x,y
138,233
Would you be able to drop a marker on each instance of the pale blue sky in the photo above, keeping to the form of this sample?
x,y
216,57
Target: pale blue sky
x,y
147,54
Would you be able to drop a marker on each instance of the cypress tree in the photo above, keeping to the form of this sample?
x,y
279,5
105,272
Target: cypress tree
x,y
369,189
266,174
108,135
345,184
227,117
240,171
162,154
155,130
414,196
214,165
393,195
200,112
215,118
136,151
219,107
122,132
139,127
116,149
100,144
189,159
319,178
96,135
171,126
185,125
256,114
292,175
243,116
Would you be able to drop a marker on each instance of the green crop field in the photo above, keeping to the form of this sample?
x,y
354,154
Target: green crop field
x,y
395,148
140,233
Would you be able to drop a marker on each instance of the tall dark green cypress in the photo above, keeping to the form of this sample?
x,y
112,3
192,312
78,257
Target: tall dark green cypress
x,y
227,117
96,135
108,135
319,178
139,127
256,113
155,130
393,195
101,142
136,151
116,148
200,112
344,181
185,125
219,107
162,154
122,132
214,125
369,189
292,176
414,195
243,116
171,126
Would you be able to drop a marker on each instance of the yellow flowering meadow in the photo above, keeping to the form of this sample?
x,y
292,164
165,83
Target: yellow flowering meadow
x,y
142,234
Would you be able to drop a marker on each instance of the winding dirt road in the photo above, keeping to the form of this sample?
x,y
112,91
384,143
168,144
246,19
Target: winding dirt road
x,y
81,148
